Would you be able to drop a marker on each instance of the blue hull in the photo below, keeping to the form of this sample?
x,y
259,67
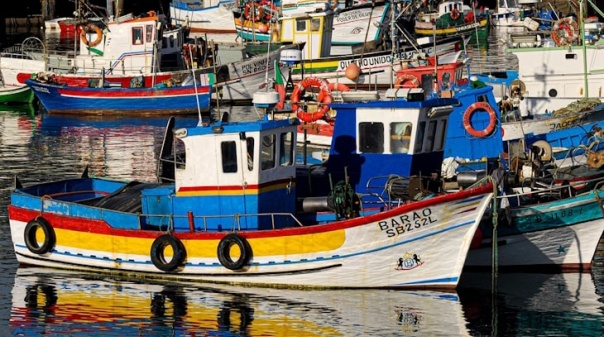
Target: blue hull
x,y
147,101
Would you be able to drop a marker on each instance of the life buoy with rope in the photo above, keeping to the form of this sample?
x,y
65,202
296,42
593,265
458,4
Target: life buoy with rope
x,y
467,117
570,29
454,14
324,99
30,234
406,81
338,87
158,253
88,29
224,252
253,11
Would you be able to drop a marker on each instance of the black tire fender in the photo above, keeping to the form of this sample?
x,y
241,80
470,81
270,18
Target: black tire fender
x,y
158,256
224,252
30,233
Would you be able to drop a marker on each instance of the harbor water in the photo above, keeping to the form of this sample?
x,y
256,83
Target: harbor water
x,y
37,147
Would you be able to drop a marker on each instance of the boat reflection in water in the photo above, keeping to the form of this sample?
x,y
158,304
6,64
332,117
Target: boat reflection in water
x,y
80,304
532,304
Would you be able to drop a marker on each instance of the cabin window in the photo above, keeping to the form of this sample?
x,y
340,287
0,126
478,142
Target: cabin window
x,y
419,138
315,25
250,153
400,137
286,149
229,156
268,152
300,25
430,135
137,35
482,98
180,154
149,33
371,137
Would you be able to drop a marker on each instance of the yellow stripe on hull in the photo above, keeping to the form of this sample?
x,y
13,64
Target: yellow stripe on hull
x,y
270,246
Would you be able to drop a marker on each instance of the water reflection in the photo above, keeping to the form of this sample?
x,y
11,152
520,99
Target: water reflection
x,y
61,302
565,304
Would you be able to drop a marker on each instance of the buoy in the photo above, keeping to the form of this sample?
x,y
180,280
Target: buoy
x,y
263,28
352,71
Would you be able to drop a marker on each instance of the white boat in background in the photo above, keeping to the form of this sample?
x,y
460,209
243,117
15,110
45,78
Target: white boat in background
x,y
514,13
208,16
127,45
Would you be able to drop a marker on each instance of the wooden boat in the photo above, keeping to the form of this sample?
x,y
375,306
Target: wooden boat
x,y
452,17
165,98
555,69
348,27
20,94
259,219
127,46
553,227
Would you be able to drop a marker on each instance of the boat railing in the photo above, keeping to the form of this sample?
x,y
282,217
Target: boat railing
x,y
230,222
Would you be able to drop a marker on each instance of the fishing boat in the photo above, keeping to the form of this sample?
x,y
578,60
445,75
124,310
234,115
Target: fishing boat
x,y
514,13
17,94
260,219
128,45
555,67
553,226
169,97
452,17
361,69
352,25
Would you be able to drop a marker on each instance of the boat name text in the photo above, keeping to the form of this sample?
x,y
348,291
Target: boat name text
x,y
553,216
567,123
408,222
367,62
352,15
254,67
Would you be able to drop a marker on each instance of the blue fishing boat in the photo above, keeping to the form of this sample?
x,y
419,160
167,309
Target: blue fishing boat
x,y
166,98
230,205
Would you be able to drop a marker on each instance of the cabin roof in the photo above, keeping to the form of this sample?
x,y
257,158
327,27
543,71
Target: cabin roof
x,y
235,127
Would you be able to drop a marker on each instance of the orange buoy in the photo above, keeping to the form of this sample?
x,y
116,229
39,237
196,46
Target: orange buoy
x,y
352,71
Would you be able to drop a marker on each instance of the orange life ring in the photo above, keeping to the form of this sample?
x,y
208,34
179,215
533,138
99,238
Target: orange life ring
x,y
86,30
253,11
454,14
571,29
338,87
324,99
467,116
406,81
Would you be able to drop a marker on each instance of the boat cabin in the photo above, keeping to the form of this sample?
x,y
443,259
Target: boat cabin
x,y
128,45
230,168
315,29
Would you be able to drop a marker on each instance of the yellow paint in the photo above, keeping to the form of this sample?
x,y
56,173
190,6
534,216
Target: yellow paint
x,y
279,246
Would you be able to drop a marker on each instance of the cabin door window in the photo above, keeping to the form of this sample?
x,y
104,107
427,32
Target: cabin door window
x,y
137,35
286,149
228,152
249,142
267,153
149,33
371,137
